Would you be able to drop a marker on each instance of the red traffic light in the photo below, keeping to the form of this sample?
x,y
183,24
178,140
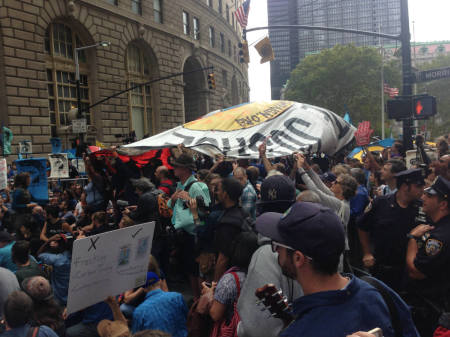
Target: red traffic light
x,y
424,107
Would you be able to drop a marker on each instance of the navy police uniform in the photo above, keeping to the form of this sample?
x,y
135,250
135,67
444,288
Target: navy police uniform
x,y
388,224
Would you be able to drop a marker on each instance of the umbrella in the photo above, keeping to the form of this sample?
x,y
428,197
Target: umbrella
x,y
377,146
285,127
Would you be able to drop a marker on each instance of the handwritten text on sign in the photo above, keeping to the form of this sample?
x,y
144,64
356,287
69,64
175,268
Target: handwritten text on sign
x,y
108,264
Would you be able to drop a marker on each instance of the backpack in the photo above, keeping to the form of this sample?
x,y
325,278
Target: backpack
x,y
164,211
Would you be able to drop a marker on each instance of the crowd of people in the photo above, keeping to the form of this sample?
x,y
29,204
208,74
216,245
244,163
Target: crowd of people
x,y
303,245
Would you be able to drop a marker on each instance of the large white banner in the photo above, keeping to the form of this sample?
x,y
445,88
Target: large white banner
x,y
107,264
285,126
59,165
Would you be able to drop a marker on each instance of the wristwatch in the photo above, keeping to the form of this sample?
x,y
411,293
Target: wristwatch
x,y
410,236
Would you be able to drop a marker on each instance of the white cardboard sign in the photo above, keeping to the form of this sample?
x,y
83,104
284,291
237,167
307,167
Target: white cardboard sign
x,y
108,264
59,165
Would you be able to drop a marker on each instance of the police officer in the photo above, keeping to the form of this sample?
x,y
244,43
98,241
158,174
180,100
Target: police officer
x,y
428,255
384,225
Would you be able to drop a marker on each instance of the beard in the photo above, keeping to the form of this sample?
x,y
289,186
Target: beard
x,y
288,268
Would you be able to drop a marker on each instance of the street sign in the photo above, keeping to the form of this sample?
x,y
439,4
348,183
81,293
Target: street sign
x,y
430,75
79,125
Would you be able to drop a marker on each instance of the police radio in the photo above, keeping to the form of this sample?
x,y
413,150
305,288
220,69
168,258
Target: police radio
x,y
421,217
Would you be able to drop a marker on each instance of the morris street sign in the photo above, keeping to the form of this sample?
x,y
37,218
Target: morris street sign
x,y
430,75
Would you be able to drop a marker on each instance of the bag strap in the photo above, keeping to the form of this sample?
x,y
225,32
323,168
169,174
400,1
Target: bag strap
x,y
188,186
236,278
393,312
33,331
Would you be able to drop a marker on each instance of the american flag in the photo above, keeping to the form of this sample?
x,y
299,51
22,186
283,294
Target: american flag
x,y
241,13
392,92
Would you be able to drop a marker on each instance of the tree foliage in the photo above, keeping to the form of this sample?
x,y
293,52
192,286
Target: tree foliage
x,y
440,124
344,78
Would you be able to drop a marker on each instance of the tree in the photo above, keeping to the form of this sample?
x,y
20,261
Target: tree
x,y
440,124
344,78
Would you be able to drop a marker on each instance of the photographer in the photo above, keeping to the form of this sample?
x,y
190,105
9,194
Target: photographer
x,y
147,206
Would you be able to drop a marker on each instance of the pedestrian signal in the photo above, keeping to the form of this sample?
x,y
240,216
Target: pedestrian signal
x,y
211,81
424,107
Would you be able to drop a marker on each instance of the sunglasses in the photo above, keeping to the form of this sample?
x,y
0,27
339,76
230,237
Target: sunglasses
x,y
275,245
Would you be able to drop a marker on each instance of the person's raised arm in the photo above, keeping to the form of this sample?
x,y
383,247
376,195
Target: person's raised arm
x,y
219,159
374,166
262,154
117,314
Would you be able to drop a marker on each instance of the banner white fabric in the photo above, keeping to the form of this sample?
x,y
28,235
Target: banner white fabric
x,y
3,174
108,264
236,132
59,165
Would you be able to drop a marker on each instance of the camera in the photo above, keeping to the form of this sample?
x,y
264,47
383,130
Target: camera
x,y
122,204
200,204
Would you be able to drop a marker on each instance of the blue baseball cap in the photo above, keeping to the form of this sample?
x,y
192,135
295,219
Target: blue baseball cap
x,y
311,228
152,278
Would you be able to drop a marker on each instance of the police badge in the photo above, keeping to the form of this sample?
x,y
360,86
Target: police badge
x,y
433,247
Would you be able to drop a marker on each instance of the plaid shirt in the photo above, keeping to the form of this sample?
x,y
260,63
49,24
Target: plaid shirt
x,y
248,200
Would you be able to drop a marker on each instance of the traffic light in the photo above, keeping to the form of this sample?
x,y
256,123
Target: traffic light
x,y
211,81
243,52
399,108
424,106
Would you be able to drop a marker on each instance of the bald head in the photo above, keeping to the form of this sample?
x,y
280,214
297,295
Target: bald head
x,y
241,175
162,172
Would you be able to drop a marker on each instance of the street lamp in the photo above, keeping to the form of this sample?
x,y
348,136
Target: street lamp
x,y
77,70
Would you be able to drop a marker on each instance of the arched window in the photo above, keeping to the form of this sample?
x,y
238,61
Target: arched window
x,y
60,44
140,98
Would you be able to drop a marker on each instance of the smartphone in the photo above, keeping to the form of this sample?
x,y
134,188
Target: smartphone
x,y
377,332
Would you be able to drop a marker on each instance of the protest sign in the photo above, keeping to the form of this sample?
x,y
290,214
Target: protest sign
x,y
59,165
78,163
37,168
3,174
25,147
238,131
363,133
107,264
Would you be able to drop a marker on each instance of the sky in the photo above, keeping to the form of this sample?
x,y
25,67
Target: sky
x,y
430,19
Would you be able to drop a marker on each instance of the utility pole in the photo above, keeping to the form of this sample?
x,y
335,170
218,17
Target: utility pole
x,y
406,69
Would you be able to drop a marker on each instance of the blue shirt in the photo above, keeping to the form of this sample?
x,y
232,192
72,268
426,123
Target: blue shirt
x,y
248,200
6,259
338,313
44,331
161,310
60,275
359,202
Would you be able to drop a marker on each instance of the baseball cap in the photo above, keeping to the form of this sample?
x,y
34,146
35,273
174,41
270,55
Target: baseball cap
x,y
440,187
152,278
311,228
277,188
5,237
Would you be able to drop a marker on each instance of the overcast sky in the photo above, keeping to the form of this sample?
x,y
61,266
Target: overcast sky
x,y
430,18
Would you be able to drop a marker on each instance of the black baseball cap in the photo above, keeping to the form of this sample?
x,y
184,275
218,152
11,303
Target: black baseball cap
x,y
311,228
277,188
440,187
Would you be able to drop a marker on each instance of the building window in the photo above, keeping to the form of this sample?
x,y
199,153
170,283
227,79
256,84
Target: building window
x,y
113,2
157,11
210,3
222,43
60,44
232,19
229,48
186,26
196,28
140,98
212,37
136,6
227,13
225,78
220,7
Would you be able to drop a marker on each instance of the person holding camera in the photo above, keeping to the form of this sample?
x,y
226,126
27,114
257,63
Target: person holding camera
x,y
187,188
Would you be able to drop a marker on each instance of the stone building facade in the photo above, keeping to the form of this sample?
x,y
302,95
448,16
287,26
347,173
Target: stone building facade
x,y
149,39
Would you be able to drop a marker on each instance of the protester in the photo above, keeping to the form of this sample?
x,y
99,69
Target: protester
x,y
147,205
248,196
6,244
310,239
187,188
26,265
54,224
388,172
161,310
8,284
46,310
18,313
